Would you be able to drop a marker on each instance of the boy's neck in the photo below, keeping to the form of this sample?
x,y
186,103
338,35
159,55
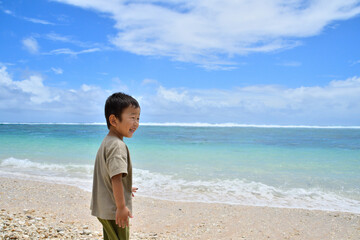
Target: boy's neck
x,y
114,133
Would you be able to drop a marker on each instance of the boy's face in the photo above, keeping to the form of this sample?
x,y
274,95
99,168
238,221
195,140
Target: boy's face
x,y
129,122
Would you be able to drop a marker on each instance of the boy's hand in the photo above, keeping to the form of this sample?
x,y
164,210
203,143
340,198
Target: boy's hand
x,y
134,189
122,217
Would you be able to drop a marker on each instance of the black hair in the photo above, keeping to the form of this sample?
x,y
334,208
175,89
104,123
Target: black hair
x,y
116,103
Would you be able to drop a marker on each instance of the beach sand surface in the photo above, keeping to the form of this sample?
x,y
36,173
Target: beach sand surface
x,y
37,210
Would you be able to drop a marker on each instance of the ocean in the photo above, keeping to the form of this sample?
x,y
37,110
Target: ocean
x,y
287,167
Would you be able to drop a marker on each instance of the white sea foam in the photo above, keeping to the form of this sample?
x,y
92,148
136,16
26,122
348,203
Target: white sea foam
x,y
199,124
69,174
81,183
172,124
49,123
239,191
161,186
15,163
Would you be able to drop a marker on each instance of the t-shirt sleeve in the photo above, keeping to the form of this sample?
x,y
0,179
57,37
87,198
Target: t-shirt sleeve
x,y
116,159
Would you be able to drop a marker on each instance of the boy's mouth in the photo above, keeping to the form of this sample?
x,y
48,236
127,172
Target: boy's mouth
x,y
132,130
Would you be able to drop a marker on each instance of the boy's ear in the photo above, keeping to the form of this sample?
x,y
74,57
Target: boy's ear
x,y
112,120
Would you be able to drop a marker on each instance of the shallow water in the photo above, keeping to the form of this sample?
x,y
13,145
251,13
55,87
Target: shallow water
x,y
313,168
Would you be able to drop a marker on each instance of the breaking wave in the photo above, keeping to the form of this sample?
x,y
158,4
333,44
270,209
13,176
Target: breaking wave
x,y
168,187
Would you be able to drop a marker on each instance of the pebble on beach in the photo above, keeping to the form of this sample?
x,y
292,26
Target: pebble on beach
x,y
28,225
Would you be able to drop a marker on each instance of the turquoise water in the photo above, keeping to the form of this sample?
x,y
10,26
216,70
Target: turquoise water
x,y
313,168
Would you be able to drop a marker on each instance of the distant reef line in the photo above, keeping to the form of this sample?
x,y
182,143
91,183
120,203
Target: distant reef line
x,y
196,124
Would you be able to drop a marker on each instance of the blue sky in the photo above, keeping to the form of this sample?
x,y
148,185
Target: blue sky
x,y
247,62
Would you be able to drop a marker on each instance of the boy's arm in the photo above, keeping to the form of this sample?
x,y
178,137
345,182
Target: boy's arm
x,y
122,212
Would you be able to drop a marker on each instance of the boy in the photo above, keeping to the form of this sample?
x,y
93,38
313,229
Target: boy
x,y
112,184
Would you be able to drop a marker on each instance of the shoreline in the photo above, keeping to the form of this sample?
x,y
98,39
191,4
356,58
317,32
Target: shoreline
x,y
194,201
194,124
54,207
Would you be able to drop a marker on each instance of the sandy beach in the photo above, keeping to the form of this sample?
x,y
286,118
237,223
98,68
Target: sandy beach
x,y
37,210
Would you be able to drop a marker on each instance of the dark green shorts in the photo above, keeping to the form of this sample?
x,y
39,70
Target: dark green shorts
x,y
112,231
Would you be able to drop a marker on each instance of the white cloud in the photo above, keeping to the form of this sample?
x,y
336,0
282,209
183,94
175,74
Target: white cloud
x,y
5,79
35,20
148,81
212,32
8,12
67,51
57,37
31,45
172,95
32,99
35,87
69,39
336,103
57,70
118,85
87,88
32,87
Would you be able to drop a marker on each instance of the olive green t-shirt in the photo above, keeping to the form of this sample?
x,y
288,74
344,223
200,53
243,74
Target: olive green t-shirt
x,y
112,158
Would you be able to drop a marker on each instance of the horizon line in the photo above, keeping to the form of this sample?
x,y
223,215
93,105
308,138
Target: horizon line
x,y
195,124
